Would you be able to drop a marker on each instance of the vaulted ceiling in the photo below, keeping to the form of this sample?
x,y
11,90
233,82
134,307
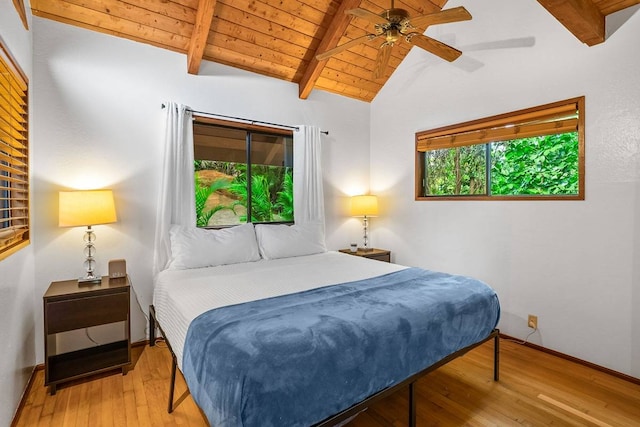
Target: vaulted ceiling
x,y
281,38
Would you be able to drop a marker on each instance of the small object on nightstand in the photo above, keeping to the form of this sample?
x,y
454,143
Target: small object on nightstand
x,y
353,247
117,268
372,253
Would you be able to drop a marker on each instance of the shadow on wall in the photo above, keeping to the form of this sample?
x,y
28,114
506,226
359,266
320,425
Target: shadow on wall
x,y
618,19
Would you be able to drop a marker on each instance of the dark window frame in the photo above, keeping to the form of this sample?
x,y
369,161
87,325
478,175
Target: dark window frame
x,y
458,135
250,129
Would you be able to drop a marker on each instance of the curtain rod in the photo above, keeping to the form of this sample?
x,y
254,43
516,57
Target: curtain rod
x,y
253,122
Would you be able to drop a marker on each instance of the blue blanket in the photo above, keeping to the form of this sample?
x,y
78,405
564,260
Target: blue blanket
x,y
295,360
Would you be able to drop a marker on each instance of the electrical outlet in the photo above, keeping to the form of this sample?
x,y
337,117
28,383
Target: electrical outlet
x,y
532,322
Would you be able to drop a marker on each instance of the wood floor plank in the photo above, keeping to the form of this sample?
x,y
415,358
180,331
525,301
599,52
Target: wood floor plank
x,y
82,407
535,389
130,410
60,408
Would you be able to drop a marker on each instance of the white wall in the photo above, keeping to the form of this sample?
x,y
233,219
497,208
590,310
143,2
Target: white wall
x,y
98,123
574,264
17,301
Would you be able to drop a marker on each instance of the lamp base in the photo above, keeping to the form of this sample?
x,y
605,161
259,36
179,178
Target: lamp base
x,y
89,280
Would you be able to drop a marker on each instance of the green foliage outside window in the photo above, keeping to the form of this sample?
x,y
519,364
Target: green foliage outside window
x,y
271,192
542,165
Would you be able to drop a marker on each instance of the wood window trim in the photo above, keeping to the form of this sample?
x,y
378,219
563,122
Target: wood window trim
x,y
242,125
14,155
541,120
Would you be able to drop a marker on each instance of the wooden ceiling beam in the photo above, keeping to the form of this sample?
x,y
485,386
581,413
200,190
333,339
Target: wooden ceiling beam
x,y
330,40
19,4
201,28
582,17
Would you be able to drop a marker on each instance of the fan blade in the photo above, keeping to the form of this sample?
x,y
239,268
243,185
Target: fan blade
x,y
434,46
345,46
369,16
455,14
384,53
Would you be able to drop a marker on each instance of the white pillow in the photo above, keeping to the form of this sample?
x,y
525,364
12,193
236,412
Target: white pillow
x,y
197,247
282,241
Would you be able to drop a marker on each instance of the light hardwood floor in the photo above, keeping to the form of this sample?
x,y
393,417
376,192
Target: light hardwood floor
x,y
535,389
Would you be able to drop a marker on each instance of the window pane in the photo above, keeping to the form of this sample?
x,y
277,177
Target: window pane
x,y
220,175
542,165
228,192
456,171
272,178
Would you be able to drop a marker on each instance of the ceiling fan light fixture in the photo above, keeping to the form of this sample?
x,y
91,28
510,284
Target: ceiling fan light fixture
x,y
393,35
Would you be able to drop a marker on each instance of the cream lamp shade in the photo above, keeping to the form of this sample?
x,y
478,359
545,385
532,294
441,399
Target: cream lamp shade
x,y
85,208
366,205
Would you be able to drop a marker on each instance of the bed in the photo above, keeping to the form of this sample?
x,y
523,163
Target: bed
x,y
297,336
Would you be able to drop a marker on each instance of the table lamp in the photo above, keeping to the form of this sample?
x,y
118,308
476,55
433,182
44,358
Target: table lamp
x,y
87,208
365,206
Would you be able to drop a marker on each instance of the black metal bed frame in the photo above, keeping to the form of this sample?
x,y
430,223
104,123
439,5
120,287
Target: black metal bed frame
x,y
358,407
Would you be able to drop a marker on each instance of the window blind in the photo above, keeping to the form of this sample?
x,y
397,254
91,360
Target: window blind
x,y
14,156
545,120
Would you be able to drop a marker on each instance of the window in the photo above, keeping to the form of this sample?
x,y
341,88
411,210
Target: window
x,y
14,156
536,153
243,173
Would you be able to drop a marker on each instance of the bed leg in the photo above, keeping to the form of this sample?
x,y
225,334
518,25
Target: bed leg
x,y
496,357
152,326
172,385
412,405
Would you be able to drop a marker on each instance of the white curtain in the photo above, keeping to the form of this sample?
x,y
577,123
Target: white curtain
x,y
308,198
176,203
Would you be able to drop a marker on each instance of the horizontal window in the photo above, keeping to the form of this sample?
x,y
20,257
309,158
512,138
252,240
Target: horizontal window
x,y
536,153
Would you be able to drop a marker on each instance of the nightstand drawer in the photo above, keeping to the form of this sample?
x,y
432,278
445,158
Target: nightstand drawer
x,y
85,312
381,257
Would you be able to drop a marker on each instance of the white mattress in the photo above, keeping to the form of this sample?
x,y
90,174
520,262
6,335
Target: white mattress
x,y
182,295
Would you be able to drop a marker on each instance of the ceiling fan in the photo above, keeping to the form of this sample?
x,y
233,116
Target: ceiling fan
x,y
394,24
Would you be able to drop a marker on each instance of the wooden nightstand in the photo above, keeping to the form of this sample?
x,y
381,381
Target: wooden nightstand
x,y
67,307
377,254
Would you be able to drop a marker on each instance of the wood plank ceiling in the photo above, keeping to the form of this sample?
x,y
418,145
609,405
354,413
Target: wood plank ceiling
x,y
280,38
